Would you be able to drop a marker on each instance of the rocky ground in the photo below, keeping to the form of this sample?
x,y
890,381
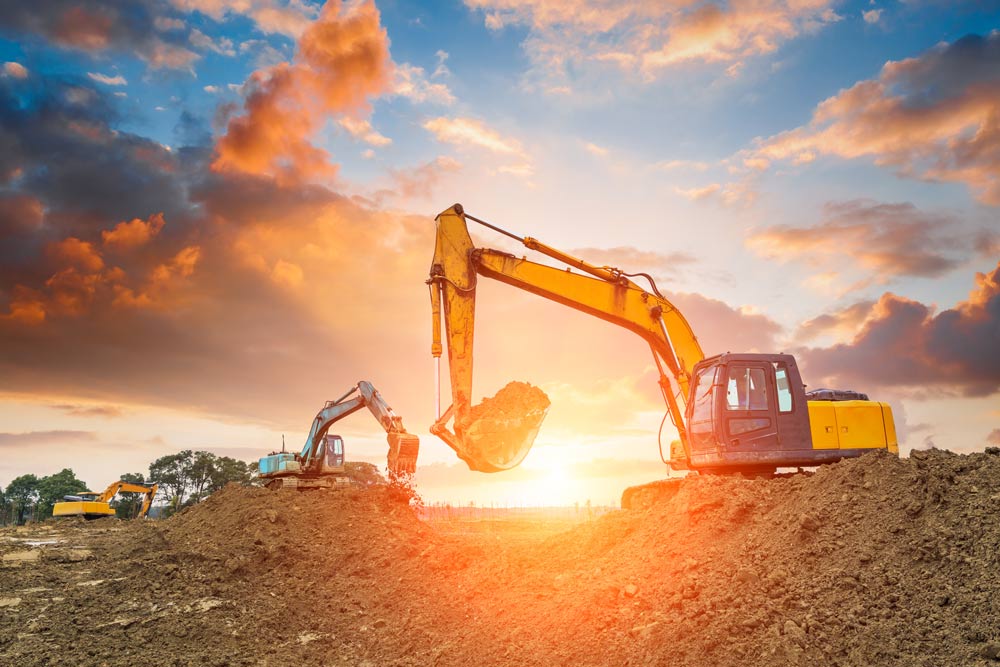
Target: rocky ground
x,y
875,561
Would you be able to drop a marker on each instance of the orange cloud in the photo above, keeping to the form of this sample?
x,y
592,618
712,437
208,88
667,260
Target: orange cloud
x,y
127,235
77,254
81,280
933,117
342,61
15,70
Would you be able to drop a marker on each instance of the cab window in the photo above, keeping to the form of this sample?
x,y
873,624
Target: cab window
x,y
703,395
784,389
746,389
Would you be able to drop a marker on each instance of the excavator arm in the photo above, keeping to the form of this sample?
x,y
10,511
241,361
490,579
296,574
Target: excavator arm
x,y
403,446
606,293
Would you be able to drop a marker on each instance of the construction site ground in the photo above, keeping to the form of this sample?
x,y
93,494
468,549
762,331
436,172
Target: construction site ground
x,y
874,561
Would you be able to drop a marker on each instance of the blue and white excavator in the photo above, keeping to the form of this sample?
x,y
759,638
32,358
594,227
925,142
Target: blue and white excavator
x,y
321,465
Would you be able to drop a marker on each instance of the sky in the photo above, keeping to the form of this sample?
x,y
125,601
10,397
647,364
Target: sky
x,y
217,214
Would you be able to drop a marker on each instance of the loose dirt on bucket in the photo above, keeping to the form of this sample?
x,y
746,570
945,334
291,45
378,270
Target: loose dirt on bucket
x,y
498,432
874,561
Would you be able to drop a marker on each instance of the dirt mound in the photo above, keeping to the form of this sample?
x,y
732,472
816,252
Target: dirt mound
x,y
875,561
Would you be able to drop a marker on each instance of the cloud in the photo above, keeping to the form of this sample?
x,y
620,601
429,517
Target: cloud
x,y
841,323
935,117
362,130
904,343
871,16
291,17
994,437
15,70
412,83
723,328
421,181
739,193
74,410
342,61
472,132
57,138
594,149
132,234
117,80
632,260
35,438
699,194
887,240
681,164
648,37
223,45
101,25
19,214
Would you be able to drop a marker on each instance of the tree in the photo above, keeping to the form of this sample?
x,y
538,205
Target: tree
x,y
22,493
203,467
52,488
365,474
129,502
3,507
228,470
173,473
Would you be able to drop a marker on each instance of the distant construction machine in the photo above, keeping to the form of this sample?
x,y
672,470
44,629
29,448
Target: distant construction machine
x,y
321,464
734,413
93,505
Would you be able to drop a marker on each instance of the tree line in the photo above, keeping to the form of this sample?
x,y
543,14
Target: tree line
x,y
185,478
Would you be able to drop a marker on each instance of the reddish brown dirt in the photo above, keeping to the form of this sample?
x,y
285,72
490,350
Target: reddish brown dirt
x,y
513,400
876,561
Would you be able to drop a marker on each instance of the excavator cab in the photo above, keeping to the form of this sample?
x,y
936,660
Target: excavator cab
x,y
750,413
334,451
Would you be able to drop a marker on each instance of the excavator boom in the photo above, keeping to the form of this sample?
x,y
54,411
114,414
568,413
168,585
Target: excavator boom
x,y
606,293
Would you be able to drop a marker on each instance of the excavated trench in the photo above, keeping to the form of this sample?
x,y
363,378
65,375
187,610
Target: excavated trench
x,y
875,561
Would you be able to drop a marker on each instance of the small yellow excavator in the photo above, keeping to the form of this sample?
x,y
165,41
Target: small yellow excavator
x,y
93,505
321,464
734,412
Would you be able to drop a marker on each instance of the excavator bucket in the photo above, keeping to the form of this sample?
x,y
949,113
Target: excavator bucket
x,y
403,450
499,432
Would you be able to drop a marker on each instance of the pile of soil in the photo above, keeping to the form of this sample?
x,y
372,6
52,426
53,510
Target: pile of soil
x,y
498,432
874,561
514,400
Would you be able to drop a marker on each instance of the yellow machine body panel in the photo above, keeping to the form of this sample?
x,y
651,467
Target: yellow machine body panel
x,y
852,425
88,508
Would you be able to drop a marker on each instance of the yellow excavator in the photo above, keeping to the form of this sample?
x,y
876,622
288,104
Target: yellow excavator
x,y
734,412
93,505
